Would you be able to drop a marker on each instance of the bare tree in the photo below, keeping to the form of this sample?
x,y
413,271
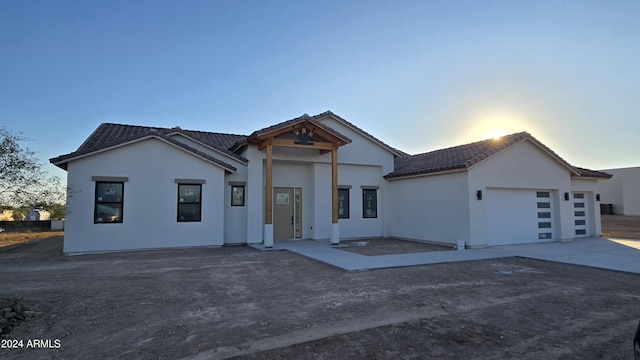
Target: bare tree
x,y
23,182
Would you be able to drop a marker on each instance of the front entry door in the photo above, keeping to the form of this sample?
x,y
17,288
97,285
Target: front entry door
x,y
287,213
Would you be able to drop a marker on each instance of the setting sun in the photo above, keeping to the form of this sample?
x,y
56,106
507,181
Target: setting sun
x,y
495,133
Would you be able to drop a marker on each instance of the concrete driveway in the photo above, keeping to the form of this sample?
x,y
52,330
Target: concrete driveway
x,y
603,253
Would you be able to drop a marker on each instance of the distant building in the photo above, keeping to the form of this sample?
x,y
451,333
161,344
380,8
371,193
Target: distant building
x,y
623,190
37,215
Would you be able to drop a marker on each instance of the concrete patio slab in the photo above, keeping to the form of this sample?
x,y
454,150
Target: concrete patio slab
x,y
612,254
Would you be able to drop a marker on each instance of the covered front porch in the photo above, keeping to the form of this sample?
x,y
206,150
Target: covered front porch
x,y
289,191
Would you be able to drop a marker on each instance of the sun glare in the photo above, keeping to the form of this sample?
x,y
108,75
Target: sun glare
x,y
495,133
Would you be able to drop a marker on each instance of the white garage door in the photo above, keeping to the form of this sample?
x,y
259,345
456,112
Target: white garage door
x,y
519,216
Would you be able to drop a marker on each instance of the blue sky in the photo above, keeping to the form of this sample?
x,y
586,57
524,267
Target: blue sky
x,y
419,75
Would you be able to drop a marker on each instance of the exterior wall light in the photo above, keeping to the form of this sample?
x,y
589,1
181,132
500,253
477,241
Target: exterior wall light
x,y
566,196
597,197
479,194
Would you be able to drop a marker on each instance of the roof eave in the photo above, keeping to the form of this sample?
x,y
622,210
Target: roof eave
x,y
213,148
425,173
65,159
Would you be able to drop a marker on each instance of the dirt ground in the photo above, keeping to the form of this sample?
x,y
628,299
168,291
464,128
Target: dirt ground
x,y
237,301
11,238
621,226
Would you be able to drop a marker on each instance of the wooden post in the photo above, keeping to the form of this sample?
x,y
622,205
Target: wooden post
x,y
334,185
268,214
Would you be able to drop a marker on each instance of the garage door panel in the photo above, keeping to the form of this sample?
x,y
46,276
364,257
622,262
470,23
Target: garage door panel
x,y
516,216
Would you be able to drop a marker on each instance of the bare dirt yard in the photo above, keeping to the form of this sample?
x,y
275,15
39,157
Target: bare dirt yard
x,y
18,237
621,226
250,304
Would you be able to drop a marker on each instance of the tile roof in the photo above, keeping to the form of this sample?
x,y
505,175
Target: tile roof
x,y
593,173
108,135
464,156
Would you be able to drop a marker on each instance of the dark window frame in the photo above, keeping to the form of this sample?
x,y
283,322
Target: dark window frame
x,y
198,218
374,203
101,202
346,213
233,187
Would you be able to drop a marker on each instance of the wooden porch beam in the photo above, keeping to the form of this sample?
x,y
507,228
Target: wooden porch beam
x,y
292,143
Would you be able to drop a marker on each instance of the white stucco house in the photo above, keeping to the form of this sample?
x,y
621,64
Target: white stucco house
x,y
316,177
622,191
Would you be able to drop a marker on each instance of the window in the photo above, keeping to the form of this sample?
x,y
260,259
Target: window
x,y
237,195
108,204
369,203
542,194
189,204
343,203
544,205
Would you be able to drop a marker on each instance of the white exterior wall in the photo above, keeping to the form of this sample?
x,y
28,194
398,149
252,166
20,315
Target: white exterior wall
x,y
321,210
357,177
235,217
149,200
622,190
431,208
254,194
361,150
521,166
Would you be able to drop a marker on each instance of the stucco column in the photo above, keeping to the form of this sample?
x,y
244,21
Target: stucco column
x,y
268,213
335,226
